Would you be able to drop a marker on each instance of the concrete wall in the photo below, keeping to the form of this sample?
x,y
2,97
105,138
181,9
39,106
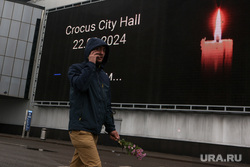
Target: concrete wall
x,y
197,127
50,117
213,128
12,111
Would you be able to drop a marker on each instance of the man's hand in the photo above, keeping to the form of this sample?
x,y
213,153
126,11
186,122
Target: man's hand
x,y
114,135
92,56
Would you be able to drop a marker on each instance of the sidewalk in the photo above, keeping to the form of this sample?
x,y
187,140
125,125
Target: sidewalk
x,y
110,155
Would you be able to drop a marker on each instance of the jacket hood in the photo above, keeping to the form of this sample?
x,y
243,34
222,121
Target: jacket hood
x,y
92,44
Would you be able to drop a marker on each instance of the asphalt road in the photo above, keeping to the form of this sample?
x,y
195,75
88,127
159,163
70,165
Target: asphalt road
x,y
33,152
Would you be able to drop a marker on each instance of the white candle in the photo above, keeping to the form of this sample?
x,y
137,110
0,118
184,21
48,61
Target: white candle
x,y
216,54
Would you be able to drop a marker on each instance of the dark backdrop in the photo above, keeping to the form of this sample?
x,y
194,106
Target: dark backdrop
x,y
158,58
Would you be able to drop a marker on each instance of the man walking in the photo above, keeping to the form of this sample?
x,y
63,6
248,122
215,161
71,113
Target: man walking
x,y
90,104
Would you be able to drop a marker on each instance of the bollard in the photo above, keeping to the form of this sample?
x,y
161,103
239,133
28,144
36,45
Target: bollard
x,y
43,134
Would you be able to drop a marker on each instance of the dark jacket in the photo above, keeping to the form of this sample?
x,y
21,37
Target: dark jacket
x,y
90,103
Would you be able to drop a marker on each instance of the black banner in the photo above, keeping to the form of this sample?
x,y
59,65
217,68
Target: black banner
x,y
161,52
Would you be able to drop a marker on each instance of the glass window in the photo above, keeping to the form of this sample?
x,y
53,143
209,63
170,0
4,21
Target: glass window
x,y
31,33
1,7
4,27
1,63
3,42
8,9
11,47
4,85
14,29
22,88
21,48
27,13
7,66
14,86
24,31
17,68
18,12
28,51
36,15
25,69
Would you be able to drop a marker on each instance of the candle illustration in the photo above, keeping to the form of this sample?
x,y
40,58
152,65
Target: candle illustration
x,y
216,56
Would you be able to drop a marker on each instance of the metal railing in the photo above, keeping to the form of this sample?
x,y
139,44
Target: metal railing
x,y
160,107
184,107
73,5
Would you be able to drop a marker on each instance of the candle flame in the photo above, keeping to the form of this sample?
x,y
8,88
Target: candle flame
x,y
216,55
217,32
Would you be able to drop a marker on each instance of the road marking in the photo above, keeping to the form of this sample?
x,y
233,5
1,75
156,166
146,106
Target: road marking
x,y
13,144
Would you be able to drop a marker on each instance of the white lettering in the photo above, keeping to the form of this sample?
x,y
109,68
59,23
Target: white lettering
x,y
111,76
230,157
113,25
211,157
80,29
101,25
93,27
219,158
239,159
77,29
68,30
125,21
107,24
202,158
132,21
